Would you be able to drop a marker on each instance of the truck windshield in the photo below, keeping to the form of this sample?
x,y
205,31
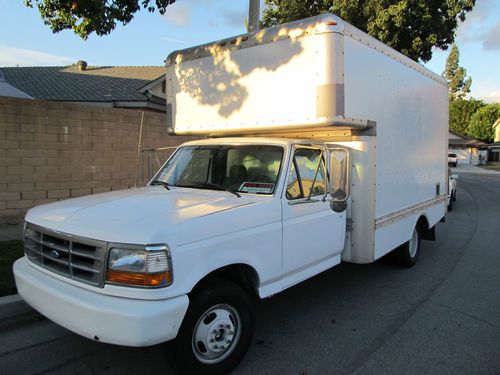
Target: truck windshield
x,y
245,169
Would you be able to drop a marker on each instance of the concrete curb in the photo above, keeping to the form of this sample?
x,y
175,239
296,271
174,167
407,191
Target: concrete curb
x,y
484,171
14,306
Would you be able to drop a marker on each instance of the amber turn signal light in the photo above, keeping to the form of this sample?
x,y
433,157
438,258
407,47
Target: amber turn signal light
x,y
139,279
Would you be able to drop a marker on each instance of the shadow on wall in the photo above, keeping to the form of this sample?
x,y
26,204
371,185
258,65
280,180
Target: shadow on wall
x,y
213,73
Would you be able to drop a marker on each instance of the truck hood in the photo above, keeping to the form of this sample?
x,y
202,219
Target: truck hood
x,y
141,215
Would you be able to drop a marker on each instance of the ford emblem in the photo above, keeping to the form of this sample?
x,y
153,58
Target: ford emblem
x,y
54,254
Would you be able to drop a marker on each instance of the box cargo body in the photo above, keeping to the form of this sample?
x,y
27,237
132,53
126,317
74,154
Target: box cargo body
x,y
324,79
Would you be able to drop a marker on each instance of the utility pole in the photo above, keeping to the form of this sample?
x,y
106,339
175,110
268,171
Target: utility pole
x,y
253,15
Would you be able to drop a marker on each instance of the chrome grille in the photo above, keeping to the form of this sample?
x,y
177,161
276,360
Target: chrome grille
x,y
78,258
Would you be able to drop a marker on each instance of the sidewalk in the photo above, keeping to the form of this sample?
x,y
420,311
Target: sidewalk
x,y
467,168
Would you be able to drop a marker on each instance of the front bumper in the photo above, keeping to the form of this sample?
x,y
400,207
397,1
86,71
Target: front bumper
x,y
114,320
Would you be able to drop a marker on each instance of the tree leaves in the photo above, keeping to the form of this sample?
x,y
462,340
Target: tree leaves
x,y
481,122
454,74
461,111
85,17
412,27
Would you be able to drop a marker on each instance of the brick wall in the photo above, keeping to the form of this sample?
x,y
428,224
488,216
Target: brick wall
x,y
51,151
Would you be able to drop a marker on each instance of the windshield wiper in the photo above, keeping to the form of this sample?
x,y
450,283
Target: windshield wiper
x,y
210,185
159,182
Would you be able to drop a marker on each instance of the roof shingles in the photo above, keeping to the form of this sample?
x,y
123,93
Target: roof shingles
x,y
95,84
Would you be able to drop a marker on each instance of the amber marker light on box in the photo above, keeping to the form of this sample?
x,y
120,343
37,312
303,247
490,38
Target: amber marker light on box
x,y
149,266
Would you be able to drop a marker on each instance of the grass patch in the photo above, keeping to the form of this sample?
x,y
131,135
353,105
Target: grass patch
x,y
10,251
491,167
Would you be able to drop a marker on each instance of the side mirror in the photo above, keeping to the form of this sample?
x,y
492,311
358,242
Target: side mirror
x,y
339,174
454,176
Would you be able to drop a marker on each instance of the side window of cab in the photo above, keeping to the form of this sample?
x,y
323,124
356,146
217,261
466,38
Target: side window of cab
x,y
307,176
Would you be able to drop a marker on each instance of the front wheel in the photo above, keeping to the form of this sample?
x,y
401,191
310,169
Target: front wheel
x,y
216,332
407,254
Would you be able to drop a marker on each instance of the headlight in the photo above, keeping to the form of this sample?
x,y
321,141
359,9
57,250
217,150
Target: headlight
x,y
149,266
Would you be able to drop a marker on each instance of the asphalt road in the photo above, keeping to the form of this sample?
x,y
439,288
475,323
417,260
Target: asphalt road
x,y
440,317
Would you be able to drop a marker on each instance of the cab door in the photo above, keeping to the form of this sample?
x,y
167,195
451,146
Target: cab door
x,y
313,232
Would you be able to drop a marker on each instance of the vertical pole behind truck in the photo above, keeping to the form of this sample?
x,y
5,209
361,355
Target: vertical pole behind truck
x,y
253,15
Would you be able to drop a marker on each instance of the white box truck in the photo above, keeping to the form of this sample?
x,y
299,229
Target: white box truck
x,y
326,146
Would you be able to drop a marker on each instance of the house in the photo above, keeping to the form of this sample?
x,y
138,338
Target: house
x,y
494,152
494,148
469,150
134,87
7,89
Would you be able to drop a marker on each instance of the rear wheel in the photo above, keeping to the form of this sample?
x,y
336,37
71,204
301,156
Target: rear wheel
x,y
216,332
407,254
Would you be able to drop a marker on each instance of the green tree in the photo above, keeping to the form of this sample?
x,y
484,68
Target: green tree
x,y
461,111
481,122
412,27
85,17
455,75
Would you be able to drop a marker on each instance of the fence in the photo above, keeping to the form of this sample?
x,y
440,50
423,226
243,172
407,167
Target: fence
x,y
52,150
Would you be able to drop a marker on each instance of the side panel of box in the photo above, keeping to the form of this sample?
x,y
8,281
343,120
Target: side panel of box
x,y
410,109
292,82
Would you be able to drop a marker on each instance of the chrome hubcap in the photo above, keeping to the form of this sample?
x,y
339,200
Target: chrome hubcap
x,y
216,334
414,244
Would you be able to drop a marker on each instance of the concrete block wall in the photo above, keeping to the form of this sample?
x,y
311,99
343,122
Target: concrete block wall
x,y
51,151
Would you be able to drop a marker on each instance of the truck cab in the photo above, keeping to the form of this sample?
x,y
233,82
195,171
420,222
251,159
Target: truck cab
x,y
121,267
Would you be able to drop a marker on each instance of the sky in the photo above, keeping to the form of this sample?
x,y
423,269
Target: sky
x,y
149,38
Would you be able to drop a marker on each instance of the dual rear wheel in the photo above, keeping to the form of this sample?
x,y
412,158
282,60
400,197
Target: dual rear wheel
x,y
406,255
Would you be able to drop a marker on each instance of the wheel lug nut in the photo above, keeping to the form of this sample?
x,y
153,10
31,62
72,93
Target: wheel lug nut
x,y
212,340
228,326
231,332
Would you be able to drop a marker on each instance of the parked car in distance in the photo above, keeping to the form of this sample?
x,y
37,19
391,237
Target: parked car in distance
x,y
452,159
452,189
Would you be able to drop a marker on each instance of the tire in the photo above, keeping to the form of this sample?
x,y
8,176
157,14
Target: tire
x,y
216,331
407,254
450,205
454,198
